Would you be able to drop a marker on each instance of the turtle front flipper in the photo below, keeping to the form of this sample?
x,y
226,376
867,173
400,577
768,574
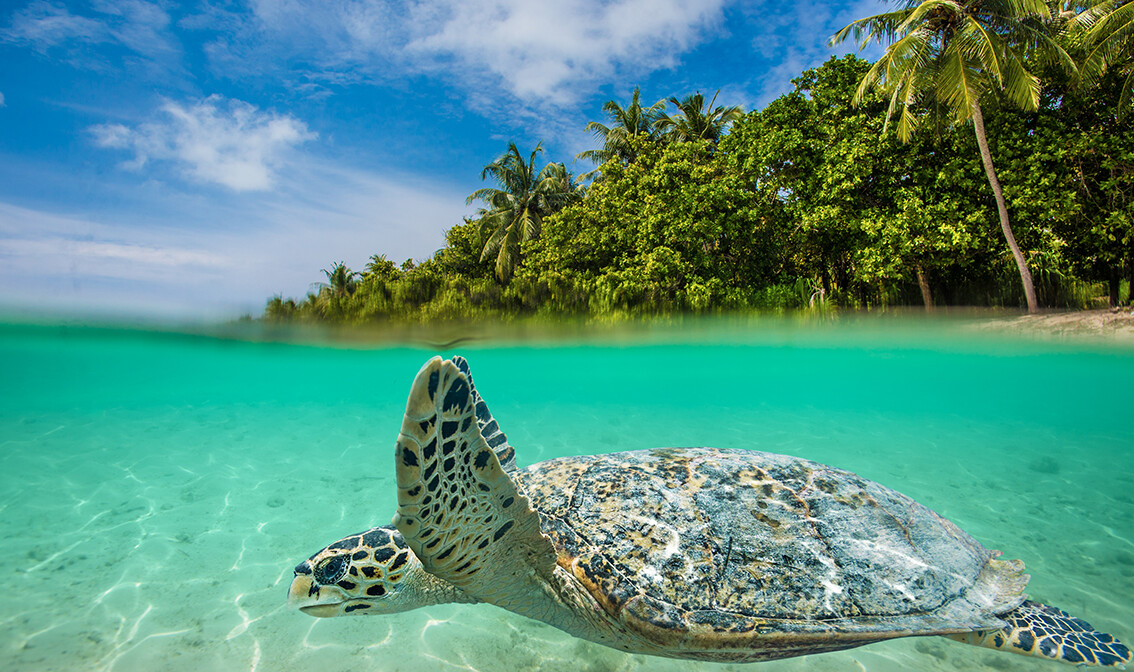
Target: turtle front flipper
x,y
489,428
458,510
1035,629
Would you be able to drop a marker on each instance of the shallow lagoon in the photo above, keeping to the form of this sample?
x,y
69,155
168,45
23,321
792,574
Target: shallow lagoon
x,y
157,488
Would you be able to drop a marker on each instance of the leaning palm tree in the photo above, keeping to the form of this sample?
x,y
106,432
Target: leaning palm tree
x,y
954,53
632,121
696,121
515,212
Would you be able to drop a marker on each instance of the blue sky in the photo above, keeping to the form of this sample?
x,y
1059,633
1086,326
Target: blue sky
x,y
191,159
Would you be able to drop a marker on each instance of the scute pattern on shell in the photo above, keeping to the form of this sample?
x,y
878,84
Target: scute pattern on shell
x,y
747,533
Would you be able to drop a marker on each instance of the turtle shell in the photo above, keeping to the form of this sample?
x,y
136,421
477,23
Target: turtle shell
x,y
738,540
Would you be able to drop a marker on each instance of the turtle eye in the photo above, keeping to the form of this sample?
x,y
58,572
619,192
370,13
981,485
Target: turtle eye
x,y
330,570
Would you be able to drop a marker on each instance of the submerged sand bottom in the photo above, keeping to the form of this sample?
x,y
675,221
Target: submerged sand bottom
x,y
142,540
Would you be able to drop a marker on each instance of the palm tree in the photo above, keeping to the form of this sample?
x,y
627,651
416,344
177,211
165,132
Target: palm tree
x,y
381,268
515,212
280,309
1105,31
632,121
341,281
955,52
562,186
695,121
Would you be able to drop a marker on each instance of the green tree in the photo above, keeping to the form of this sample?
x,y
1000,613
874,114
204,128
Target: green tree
x,y
514,212
1071,168
341,280
863,217
927,226
952,53
280,309
696,121
332,298
381,268
783,155
669,232
627,123
461,256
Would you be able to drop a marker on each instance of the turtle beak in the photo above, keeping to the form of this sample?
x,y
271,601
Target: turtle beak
x,y
322,601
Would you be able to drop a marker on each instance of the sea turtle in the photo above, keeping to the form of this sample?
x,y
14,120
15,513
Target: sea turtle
x,y
700,553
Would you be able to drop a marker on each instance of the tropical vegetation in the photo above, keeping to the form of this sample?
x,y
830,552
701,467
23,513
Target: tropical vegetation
x,y
629,123
514,212
813,201
957,52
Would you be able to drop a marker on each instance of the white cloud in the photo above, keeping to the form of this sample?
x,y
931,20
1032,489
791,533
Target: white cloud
x,y
231,143
1,99
43,25
78,244
545,51
159,255
76,264
537,52
135,262
142,27
523,62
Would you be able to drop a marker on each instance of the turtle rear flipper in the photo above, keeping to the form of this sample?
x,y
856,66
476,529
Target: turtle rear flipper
x,y
458,510
1035,629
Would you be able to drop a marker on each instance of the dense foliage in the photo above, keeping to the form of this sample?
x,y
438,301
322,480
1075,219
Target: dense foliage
x,y
805,203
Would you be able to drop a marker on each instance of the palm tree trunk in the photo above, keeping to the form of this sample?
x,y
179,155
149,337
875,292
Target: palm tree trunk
x,y
1002,208
923,283
1130,281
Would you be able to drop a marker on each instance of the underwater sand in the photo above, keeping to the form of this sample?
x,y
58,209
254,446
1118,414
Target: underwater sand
x,y
156,490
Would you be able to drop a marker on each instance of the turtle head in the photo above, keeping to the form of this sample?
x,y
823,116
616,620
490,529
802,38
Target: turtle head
x,y
373,572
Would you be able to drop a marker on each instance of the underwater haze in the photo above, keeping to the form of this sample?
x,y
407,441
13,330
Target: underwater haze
x,y
156,488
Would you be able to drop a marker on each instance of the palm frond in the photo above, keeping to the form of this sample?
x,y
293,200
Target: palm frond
x,y
492,245
597,129
881,28
484,194
958,83
895,73
506,255
530,225
1115,24
978,46
1126,98
908,122
1021,86
920,14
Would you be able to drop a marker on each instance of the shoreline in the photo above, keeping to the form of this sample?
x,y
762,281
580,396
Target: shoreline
x,y
1101,326
1108,324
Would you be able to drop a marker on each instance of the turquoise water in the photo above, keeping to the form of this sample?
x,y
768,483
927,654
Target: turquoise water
x,y
157,489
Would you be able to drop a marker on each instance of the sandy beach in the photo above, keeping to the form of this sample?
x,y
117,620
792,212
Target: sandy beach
x,y
1116,325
